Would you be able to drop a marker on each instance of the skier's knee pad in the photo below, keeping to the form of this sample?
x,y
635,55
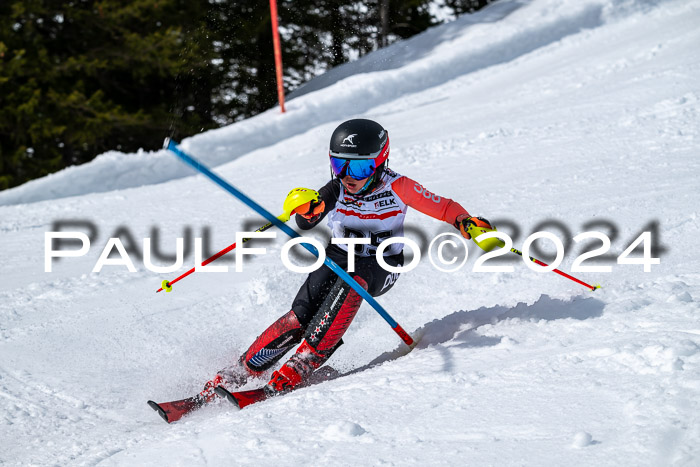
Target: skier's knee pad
x,y
327,327
273,343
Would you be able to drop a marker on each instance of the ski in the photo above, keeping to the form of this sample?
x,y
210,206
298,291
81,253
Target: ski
x,y
175,410
242,398
251,396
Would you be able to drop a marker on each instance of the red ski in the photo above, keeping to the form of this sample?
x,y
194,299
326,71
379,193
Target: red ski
x,y
246,398
242,398
175,410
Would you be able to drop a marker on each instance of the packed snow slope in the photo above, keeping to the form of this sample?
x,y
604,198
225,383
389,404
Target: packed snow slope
x,y
584,113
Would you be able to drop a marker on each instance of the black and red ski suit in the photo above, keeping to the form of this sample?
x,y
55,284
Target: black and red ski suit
x,y
325,305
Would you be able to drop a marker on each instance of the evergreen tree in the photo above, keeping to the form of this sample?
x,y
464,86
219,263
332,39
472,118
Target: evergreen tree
x,y
461,7
78,78
81,77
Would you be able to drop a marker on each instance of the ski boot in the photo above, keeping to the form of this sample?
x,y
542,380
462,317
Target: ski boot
x,y
296,371
231,378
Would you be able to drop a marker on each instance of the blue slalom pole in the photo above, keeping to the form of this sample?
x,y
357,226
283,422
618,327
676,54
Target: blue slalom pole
x,y
194,163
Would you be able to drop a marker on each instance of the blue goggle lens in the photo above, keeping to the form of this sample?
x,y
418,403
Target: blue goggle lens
x,y
356,168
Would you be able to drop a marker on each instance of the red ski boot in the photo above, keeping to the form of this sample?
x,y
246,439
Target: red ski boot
x,y
296,371
230,378
323,336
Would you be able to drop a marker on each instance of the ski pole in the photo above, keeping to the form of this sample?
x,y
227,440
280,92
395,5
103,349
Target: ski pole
x,y
295,198
168,285
561,273
172,146
495,242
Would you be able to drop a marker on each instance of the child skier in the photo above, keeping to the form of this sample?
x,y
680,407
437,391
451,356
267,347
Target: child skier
x,y
364,199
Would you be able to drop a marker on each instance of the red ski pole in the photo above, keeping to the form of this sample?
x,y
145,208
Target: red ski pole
x,y
168,285
561,273
489,244
295,198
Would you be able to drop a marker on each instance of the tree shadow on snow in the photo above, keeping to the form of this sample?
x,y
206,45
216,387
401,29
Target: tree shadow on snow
x,y
460,327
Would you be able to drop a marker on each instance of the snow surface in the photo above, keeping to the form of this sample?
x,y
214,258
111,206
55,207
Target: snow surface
x,y
570,110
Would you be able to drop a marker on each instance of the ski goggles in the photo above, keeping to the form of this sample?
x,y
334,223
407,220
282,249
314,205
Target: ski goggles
x,y
357,169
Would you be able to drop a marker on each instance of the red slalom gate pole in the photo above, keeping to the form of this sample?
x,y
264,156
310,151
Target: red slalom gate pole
x,y
168,285
561,273
278,53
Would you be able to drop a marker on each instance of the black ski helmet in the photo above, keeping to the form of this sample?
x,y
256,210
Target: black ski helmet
x,y
360,138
